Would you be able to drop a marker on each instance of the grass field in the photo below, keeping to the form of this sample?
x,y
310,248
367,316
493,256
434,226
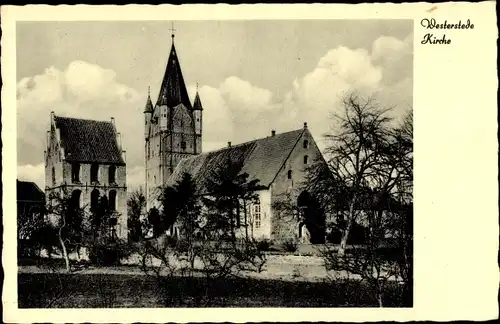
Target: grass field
x,y
43,290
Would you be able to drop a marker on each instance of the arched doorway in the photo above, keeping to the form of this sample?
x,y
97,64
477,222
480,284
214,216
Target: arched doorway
x,y
313,217
75,199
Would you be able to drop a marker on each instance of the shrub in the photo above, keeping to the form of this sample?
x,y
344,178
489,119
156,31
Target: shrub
x,y
290,245
171,241
264,245
111,253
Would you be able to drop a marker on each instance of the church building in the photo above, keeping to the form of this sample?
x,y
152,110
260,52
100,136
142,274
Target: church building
x,y
173,128
84,158
173,145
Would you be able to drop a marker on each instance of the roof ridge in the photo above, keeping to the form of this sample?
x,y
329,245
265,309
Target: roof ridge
x,y
85,119
250,142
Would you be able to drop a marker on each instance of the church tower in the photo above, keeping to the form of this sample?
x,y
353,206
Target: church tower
x,y
173,128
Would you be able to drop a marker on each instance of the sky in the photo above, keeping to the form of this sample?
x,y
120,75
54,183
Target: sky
x,y
253,76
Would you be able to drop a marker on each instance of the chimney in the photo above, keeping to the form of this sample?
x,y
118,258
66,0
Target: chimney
x,y
228,144
113,121
305,125
273,132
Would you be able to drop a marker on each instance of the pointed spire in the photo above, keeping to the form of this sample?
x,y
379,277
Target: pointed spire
x,y
149,104
173,90
173,32
197,101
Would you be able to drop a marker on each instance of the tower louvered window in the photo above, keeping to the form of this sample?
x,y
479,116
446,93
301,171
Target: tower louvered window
x,y
75,172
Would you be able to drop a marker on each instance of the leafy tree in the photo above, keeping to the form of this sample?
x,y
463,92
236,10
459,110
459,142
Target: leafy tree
x,y
155,220
69,223
207,233
182,206
136,207
231,193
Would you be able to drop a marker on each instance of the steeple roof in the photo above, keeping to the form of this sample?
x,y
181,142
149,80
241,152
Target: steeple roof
x,y
197,102
173,89
149,104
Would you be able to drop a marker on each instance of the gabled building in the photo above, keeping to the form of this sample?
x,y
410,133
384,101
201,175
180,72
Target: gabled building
x,y
279,162
84,158
30,207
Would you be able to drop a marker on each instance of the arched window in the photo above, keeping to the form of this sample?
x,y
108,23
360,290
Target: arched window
x,y
289,174
53,176
306,159
75,172
305,144
112,200
94,173
75,198
111,174
94,199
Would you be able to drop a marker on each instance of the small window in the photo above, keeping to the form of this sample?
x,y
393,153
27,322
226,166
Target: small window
x,y
112,174
53,176
75,172
306,159
183,145
197,119
94,173
257,214
306,144
289,174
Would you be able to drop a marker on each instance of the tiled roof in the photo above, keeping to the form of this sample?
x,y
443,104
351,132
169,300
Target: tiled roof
x,y
261,159
89,140
197,103
173,89
29,192
149,105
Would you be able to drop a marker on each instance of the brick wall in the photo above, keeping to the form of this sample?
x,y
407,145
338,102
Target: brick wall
x,y
284,224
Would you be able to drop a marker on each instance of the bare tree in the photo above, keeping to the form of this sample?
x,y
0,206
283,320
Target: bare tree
x,y
354,154
368,179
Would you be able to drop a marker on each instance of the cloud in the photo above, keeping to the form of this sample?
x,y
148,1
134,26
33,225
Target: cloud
x,y
87,81
81,90
217,117
385,73
235,110
395,57
34,173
